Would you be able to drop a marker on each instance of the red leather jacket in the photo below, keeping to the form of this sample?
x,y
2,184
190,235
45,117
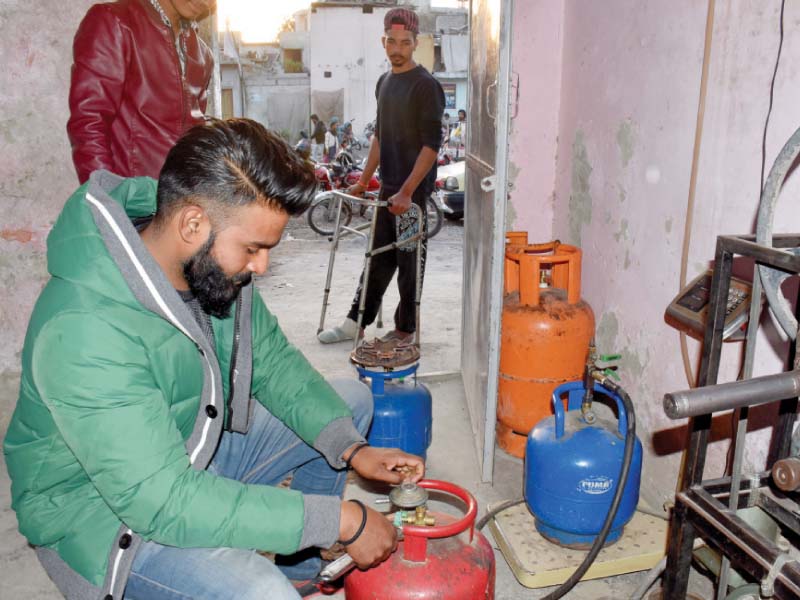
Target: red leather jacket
x,y
128,102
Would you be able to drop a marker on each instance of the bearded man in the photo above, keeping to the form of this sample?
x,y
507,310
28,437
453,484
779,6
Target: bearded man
x,y
160,403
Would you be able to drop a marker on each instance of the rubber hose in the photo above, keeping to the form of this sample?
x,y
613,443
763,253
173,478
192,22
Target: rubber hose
x,y
630,442
497,509
652,575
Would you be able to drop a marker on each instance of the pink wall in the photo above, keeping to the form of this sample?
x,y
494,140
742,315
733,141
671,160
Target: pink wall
x,y
536,64
629,88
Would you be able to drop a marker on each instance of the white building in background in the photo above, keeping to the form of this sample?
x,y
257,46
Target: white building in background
x,y
261,83
331,62
346,57
345,60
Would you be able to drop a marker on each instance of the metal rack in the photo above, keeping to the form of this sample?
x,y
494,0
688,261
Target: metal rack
x,y
706,509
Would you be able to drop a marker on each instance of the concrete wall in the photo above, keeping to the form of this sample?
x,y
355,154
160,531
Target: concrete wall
x,y
347,43
627,104
229,78
281,102
424,54
36,173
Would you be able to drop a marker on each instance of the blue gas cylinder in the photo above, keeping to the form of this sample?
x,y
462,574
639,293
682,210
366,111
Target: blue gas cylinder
x,y
403,416
572,468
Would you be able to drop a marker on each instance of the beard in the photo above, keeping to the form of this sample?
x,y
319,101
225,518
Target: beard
x,y
213,289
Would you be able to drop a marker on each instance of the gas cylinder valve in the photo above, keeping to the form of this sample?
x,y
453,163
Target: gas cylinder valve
x,y
588,384
419,517
599,373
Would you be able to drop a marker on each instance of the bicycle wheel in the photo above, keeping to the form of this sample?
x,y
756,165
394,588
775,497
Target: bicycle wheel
x,y
322,215
435,217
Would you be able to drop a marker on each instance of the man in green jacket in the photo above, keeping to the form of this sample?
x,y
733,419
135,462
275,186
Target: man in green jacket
x,y
161,404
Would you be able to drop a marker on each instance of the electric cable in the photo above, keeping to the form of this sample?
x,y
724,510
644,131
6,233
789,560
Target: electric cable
x,y
735,415
771,97
698,138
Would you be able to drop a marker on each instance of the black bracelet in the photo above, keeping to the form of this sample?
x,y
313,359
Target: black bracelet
x,y
360,529
353,454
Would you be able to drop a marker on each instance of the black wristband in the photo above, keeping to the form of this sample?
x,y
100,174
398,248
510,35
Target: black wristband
x,y
360,529
353,454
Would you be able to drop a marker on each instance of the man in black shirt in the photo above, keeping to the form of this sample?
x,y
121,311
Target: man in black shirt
x,y
406,145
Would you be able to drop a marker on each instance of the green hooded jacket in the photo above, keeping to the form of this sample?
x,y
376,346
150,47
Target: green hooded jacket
x,y
123,400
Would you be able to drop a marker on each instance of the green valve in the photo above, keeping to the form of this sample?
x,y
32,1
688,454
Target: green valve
x,y
611,373
610,357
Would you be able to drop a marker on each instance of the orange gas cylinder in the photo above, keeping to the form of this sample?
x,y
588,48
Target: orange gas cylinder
x,y
516,238
546,331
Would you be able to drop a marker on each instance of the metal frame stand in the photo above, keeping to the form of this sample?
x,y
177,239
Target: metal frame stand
x,y
707,509
341,231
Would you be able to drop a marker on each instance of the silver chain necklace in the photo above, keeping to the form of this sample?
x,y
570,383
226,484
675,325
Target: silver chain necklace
x,y
180,42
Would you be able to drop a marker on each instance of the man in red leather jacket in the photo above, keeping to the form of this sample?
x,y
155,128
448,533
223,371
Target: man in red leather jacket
x,y
139,80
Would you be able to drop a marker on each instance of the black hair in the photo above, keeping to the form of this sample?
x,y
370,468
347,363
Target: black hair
x,y
315,117
461,110
232,163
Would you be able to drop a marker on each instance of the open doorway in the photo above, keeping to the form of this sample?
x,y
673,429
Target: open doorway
x,y
325,58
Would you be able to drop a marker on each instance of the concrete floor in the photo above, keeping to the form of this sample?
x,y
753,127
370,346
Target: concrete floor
x,y
293,290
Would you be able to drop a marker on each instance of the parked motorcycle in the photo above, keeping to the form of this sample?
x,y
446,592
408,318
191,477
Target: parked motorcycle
x,y
303,146
340,175
346,137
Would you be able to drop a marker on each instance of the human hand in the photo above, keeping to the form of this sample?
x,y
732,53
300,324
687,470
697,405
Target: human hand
x,y
357,189
388,464
399,203
377,540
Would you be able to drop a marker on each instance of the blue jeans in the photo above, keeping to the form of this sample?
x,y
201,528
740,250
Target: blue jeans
x,y
264,456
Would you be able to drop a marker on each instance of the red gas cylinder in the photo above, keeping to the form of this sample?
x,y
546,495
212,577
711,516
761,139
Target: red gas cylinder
x,y
546,330
447,561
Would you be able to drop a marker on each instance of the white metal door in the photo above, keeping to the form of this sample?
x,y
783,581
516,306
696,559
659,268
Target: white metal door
x,y
484,223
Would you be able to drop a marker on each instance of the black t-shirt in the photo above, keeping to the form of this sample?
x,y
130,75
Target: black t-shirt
x,y
410,108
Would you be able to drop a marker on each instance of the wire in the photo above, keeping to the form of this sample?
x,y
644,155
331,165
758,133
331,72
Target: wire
x,y
698,138
771,96
736,415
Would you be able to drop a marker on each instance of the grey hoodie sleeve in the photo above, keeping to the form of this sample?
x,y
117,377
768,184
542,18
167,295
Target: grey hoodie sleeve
x,y
335,438
320,521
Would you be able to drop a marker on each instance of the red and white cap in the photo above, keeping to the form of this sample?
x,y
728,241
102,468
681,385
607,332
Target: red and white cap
x,y
402,19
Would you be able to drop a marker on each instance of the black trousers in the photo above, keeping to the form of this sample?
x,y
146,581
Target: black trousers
x,y
383,266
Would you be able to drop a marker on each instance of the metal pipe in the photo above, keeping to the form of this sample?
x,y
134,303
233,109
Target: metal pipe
x,y
418,291
741,424
334,246
725,396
